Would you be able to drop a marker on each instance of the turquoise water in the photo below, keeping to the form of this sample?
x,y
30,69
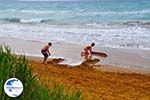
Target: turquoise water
x,y
76,12
113,23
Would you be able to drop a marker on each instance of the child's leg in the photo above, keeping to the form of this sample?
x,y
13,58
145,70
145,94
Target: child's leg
x,y
45,53
90,56
45,60
86,57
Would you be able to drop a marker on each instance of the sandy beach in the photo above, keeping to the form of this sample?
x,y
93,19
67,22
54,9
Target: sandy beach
x,y
123,75
71,53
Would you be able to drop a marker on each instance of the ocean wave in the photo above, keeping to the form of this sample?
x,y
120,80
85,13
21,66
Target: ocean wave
x,y
31,20
37,11
19,20
78,11
16,20
37,20
34,21
96,13
46,20
136,22
8,10
88,23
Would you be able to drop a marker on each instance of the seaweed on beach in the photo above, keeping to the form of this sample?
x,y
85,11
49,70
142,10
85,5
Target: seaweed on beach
x,y
100,54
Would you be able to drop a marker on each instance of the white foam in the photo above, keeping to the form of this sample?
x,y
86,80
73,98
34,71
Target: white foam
x,y
38,20
132,37
104,13
37,11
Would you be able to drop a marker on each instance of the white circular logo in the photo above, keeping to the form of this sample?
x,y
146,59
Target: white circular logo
x,y
13,87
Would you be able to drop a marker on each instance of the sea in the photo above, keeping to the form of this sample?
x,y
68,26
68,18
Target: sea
x,y
108,23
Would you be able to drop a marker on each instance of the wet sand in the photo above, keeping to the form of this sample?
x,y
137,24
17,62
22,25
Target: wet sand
x,y
71,52
94,65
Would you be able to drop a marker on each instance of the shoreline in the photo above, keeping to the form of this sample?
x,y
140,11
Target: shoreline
x,y
132,58
101,67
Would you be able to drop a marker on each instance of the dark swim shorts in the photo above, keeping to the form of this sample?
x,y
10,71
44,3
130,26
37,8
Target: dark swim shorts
x,y
45,53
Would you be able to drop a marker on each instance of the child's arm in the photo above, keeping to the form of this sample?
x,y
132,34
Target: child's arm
x,y
49,52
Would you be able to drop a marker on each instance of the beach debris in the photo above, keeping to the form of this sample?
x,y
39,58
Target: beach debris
x,y
55,60
100,54
90,62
